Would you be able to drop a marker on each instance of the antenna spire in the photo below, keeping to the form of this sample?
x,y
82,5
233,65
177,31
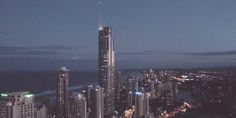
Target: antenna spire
x,y
100,15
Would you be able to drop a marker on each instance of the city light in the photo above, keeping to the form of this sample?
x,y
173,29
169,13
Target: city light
x,y
29,95
4,95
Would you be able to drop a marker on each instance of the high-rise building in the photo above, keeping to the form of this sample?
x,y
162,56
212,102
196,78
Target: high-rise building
x,y
90,103
106,66
97,100
78,106
146,105
130,98
141,104
17,105
63,93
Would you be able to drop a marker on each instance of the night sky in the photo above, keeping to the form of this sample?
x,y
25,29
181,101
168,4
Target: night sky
x,y
47,34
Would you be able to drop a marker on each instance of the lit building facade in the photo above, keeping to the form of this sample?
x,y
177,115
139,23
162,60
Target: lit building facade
x,y
141,104
88,93
17,105
97,100
78,106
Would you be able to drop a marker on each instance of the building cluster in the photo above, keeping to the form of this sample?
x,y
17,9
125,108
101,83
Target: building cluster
x,y
141,95
20,105
157,91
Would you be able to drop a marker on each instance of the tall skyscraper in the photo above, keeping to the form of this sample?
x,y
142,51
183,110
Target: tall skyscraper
x,y
78,106
106,66
17,105
63,93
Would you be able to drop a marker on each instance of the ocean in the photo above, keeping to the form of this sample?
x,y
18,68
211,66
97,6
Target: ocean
x,y
39,81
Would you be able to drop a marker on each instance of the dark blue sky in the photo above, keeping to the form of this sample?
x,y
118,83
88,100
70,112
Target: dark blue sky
x,y
46,34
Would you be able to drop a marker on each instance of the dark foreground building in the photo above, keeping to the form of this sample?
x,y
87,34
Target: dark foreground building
x,y
63,93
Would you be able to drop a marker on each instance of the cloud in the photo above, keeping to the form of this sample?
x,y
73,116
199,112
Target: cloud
x,y
150,52
11,49
215,53
34,51
42,53
18,51
44,63
61,47
156,52
209,53
55,47
133,53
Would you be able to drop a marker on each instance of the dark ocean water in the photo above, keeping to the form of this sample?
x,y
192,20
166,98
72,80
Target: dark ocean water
x,y
38,81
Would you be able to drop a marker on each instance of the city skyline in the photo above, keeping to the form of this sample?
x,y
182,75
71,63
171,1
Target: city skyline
x,y
152,59
154,34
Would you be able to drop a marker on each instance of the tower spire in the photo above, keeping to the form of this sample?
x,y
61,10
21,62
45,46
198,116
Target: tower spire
x,y
100,15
